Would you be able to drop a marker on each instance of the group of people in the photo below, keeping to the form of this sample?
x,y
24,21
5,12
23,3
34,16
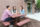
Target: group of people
x,y
10,14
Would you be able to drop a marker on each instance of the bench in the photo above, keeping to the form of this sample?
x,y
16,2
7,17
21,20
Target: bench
x,y
23,22
5,23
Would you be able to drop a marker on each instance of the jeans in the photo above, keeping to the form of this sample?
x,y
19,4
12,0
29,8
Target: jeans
x,y
11,20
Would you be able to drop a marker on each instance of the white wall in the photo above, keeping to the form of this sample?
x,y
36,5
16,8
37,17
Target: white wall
x,y
36,1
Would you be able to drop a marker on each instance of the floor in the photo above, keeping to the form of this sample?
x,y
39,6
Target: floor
x,y
33,23
35,16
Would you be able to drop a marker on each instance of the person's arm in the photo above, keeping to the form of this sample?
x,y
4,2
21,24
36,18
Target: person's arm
x,y
18,14
16,11
12,15
24,13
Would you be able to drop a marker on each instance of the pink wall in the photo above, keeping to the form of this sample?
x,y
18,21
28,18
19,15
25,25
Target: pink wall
x,y
4,3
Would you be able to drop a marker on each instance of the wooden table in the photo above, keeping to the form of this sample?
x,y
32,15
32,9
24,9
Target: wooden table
x,y
21,21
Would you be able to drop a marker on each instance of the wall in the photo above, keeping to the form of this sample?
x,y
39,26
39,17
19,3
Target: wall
x,y
17,3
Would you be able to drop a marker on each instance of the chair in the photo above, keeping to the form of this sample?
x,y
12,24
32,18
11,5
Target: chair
x,y
5,23
23,22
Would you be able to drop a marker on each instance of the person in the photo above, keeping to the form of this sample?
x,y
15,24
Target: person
x,y
22,11
7,16
14,10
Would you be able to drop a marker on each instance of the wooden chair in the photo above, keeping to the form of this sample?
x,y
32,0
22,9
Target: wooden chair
x,y
23,22
6,23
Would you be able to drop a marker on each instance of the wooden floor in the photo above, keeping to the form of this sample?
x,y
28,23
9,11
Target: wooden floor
x,y
33,23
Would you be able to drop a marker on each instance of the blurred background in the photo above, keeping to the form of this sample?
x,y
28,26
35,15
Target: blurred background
x,y
30,6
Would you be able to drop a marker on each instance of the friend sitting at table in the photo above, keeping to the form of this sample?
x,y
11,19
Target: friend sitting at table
x,y
14,10
8,17
22,11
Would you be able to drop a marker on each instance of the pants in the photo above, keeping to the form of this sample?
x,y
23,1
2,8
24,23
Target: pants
x,y
11,20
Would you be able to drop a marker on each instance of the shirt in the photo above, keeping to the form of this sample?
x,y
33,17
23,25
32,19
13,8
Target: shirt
x,y
6,14
13,11
22,12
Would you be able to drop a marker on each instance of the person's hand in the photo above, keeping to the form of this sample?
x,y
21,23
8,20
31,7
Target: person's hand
x,y
14,15
22,15
18,14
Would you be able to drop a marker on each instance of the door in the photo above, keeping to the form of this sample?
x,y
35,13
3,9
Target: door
x,y
29,8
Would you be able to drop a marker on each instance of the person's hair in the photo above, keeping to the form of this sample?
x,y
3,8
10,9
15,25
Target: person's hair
x,y
21,7
7,6
14,7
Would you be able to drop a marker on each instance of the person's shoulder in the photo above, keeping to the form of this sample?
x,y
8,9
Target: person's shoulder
x,y
6,10
23,9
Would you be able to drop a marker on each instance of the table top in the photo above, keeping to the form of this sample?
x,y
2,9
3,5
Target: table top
x,y
18,15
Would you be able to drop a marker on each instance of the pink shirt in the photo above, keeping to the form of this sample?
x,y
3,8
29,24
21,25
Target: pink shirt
x,y
6,14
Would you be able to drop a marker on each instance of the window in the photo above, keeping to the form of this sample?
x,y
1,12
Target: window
x,y
29,8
